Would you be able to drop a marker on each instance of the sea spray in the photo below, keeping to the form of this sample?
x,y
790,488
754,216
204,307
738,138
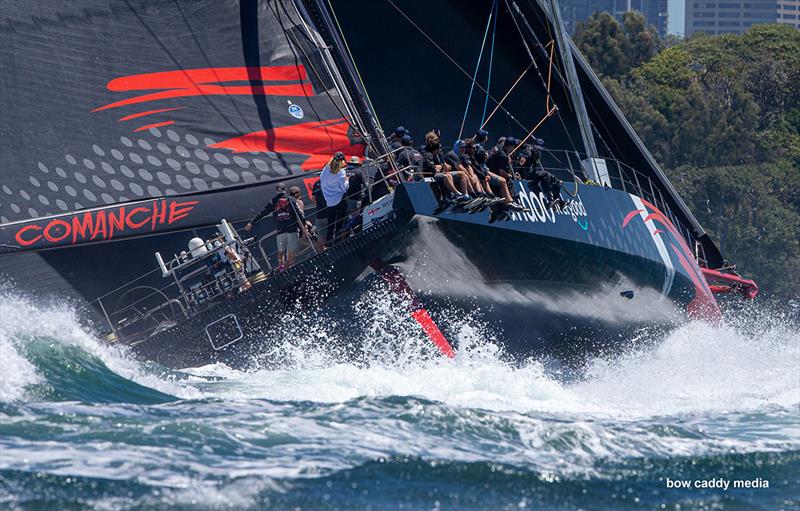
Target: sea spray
x,y
700,403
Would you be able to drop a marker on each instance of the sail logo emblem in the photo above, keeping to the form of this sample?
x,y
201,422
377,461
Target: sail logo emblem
x,y
296,112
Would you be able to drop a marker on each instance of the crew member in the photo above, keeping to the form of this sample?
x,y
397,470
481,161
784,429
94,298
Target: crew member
x,y
334,184
287,219
433,165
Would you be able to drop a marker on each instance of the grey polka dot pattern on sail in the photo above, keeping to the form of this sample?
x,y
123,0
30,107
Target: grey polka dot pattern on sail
x,y
144,144
61,204
15,208
261,165
61,172
117,185
70,159
191,139
70,191
183,181
164,178
34,181
216,184
33,213
182,151
44,200
80,178
152,160
207,141
248,177
242,162
117,155
169,191
199,153
126,141
164,148
210,170
145,175
135,158
173,135
52,186
174,165
135,188
89,195
126,171
155,132
192,167
43,167
231,175
98,182
199,184
25,195
78,205
107,167
107,198
153,191
222,158
98,150
89,164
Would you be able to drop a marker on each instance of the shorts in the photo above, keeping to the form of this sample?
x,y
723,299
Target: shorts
x,y
494,180
287,242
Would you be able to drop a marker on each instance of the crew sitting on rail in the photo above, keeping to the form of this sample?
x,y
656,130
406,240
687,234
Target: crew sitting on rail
x,y
433,165
408,158
493,184
458,161
287,219
499,163
334,184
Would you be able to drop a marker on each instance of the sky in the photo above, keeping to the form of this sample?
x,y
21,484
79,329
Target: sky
x,y
676,11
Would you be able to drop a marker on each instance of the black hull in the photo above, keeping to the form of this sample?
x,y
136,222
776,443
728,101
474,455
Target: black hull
x,y
560,286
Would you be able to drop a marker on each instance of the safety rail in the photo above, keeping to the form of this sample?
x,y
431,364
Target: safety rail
x,y
623,177
155,308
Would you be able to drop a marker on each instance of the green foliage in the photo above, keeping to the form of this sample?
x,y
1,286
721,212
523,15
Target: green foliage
x,y
722,115
613,49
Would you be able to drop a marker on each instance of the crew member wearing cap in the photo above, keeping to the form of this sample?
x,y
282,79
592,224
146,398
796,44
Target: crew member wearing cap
x,y
357,189
334,184
408,158
499,163
395,138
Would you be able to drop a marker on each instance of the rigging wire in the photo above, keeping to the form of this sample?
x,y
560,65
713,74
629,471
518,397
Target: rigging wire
x,y
373,112
525,43
477,68
491,61
453,61
524,71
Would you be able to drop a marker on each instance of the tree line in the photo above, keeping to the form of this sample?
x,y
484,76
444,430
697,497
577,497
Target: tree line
x,y
721,115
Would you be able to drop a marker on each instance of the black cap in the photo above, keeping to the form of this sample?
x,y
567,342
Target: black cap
x,y
406,140
338,155
510,141
400,131
280,187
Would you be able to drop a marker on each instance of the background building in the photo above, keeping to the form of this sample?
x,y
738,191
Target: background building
x,y
715,17
655,11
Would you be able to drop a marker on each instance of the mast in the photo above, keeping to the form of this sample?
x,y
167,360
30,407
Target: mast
x,y
574,87
318,14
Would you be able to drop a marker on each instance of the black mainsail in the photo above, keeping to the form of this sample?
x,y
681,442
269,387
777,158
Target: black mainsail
x,y
130,118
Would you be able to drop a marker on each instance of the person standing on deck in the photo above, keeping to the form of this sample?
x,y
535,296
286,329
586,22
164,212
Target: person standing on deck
x,y
334,184
287,218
